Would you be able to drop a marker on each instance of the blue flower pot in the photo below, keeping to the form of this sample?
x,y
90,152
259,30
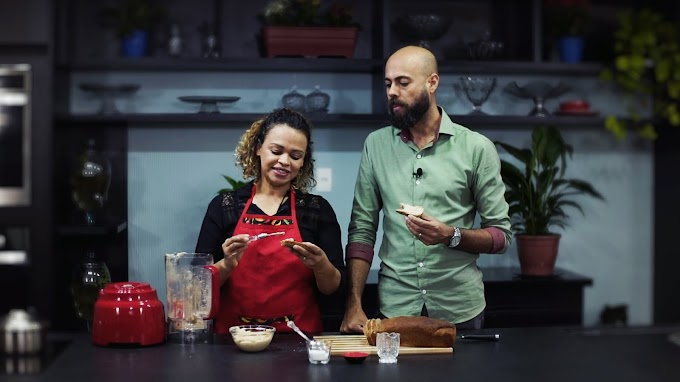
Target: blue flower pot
x,y
571,49
135,44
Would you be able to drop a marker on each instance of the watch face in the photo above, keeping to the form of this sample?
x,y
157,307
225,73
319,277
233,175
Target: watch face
x,y
455,240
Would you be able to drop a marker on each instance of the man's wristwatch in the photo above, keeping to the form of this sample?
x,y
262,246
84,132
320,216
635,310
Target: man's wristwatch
x,y
455,240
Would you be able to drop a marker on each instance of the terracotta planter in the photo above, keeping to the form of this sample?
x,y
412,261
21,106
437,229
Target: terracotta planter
x,y
537,254
309,41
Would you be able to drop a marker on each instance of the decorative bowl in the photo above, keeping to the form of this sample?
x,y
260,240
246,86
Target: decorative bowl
x,y
355,357
421,27
252,338
485,50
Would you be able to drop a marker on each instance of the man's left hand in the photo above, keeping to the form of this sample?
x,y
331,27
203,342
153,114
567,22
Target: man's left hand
x,y
429,230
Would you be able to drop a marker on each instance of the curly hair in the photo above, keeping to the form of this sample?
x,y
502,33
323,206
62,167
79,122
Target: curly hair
x,y
252,139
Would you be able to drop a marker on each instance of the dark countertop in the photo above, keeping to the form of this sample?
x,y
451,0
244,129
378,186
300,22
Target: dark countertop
x,y
522,354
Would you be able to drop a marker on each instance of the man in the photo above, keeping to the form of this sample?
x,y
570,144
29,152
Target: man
x,y
428,263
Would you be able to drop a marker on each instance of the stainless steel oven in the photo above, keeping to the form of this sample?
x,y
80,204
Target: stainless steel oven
x,y
15,135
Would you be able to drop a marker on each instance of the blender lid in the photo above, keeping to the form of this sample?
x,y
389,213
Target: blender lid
x,y
128,289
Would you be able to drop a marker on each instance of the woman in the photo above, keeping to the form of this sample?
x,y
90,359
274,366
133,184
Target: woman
x,y
264,282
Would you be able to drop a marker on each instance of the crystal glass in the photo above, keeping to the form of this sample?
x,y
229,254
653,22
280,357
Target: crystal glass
x,y
388,347
89,277
478,90
319,352
90,179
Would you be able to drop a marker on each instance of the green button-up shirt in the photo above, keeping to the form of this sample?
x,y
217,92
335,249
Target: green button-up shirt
x,y
460,178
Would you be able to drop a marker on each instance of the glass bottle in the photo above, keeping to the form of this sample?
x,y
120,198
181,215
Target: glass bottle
x,y
175,43
89,277
90,180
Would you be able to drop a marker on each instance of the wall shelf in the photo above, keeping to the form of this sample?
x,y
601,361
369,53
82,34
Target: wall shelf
x,y
196,64
335,65
64,121
109,228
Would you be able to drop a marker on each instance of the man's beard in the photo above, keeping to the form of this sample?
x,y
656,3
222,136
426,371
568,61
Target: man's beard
x,y
412,113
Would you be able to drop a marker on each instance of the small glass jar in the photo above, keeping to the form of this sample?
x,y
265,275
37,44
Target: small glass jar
x,y
317,101
319,352
294,100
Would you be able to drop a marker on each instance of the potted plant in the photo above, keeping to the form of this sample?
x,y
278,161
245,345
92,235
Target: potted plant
x,y
568,20
301,28
646,67
133,19
539,196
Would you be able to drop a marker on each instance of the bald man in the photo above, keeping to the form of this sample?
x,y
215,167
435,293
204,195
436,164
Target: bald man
x,y
428,262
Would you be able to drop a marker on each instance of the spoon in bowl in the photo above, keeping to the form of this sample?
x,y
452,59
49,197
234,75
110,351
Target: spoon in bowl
x,y
297,330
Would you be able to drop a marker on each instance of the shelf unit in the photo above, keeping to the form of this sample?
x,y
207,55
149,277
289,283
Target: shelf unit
x,y
77,35
122,121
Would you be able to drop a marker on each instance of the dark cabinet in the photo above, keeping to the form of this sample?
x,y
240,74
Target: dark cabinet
x,y
25,23
516,301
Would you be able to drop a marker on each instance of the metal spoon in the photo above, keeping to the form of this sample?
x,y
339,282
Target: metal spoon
x,y
292,325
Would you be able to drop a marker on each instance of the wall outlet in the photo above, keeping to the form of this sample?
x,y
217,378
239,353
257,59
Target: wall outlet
x,y
324,179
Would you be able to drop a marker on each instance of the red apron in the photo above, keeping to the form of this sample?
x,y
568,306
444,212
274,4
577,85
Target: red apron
x,y
269,284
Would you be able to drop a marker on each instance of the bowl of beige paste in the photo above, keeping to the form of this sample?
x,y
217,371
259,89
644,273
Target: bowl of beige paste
x,y
252,338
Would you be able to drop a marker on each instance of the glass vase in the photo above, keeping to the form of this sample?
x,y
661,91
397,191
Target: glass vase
x,y
90,180
89,277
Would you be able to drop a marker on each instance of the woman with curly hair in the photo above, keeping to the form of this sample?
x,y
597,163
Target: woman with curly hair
x,y
263,281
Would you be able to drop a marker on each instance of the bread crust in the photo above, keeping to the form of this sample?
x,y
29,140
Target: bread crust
x,y
407,209
416,331
290,243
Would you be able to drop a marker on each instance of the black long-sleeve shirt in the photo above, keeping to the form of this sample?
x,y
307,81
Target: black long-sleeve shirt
x,y
316,220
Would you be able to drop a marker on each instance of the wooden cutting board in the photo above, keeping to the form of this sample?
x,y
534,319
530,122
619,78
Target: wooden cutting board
x,y
345,343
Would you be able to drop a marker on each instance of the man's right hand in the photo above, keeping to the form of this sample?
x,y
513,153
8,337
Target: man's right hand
x,y
354,321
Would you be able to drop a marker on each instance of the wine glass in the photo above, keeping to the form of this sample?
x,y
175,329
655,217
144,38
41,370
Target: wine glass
x,y
90,180
477,90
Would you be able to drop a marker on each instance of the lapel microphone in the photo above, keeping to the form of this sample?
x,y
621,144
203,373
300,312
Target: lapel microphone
x,y
419,173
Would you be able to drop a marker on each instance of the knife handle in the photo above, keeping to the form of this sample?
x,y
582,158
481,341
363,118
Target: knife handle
x,y
481,337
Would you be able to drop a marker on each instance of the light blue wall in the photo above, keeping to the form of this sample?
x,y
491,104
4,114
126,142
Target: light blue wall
x,y
174,172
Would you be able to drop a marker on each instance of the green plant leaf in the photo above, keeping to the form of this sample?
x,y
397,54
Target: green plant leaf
x,y
233,183
539,196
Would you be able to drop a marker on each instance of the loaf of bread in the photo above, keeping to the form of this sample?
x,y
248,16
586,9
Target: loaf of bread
x,y
414,331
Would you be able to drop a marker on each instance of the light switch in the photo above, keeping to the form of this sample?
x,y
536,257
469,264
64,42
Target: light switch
x,y
324,179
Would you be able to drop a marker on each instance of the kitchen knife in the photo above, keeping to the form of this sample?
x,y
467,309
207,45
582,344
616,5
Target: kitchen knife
x,y
481,337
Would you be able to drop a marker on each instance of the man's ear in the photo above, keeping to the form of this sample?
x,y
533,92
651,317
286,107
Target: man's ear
x,y
433,82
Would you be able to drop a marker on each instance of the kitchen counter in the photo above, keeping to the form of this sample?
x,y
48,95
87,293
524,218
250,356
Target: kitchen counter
x,y
522,354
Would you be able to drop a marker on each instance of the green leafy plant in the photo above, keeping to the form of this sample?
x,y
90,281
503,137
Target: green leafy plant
x,y
646,65
539,195
233,183
306,13
133,15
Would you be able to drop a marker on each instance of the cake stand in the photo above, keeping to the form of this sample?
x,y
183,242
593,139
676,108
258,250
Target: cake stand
x,y
539,91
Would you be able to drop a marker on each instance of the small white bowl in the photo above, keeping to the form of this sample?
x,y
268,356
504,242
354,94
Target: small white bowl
x,y
252,338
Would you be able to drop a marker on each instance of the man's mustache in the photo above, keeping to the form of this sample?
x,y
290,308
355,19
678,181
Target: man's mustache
x,y
394,102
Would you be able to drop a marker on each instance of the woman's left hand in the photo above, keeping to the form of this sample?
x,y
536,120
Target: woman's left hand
x,y
310,254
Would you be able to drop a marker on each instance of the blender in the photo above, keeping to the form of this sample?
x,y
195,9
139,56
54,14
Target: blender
x,y
193,294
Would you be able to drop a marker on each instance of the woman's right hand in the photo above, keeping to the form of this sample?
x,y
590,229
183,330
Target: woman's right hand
x,y
233,249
